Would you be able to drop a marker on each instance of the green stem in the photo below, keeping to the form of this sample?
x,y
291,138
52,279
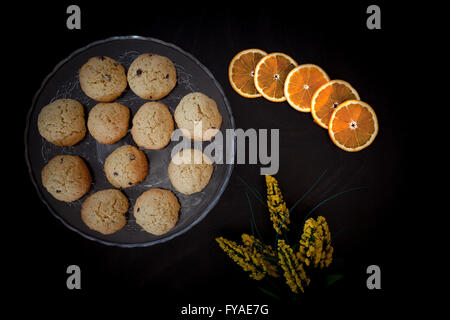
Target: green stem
x,y
339,232
309,190
330,198
269,293
253,190
252,218
300,200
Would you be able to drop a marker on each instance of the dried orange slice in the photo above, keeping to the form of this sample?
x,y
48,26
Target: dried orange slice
x,y
327,97
270,74
353,125
301,83
241,72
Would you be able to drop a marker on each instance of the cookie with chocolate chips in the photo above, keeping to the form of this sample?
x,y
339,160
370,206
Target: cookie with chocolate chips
x,y
103,79
152,76
126,166
190,171
108,122
66,178
62,122
105,211
157,211
152,126
198,117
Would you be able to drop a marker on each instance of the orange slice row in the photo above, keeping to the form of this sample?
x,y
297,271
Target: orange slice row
x,y
254,73
334,104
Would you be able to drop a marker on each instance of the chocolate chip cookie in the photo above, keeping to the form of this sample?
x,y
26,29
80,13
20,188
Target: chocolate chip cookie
x,y
156,211
152,126
104,211
198,117
126,166
66,178
108,122
103,79
152,76
190,171
62,122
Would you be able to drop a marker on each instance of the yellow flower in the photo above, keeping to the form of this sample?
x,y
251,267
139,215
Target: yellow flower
x,y
279,213
294,272
261,254
327,252
250,256
315,243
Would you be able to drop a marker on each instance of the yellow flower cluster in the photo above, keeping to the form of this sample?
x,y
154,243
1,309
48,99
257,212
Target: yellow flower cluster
x,y
315,243
251,256
294,273
259,260
279,213
261,253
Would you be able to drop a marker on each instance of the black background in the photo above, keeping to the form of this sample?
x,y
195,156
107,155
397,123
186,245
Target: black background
x,y
192,268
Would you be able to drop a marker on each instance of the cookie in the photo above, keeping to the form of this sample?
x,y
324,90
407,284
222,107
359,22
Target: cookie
x,y
156,211
108,122
152,76
104,211
152,126
190,171
62,122
103,79
126,166
66,178
198,117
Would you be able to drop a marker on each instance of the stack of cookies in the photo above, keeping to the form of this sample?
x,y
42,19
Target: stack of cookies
x,y
62,122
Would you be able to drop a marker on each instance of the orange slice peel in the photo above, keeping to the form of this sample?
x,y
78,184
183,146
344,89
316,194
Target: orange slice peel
x,y
353,125
301,83
327,97
270,74
241,72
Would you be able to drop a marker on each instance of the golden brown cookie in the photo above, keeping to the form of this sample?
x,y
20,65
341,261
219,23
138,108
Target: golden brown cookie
x,y
108,122
62,122
156,211
126,166
152,76
190,171
103,79
198,117
66,178
104,211
152,126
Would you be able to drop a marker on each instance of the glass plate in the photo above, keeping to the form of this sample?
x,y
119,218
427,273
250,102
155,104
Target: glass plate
x,y
63,82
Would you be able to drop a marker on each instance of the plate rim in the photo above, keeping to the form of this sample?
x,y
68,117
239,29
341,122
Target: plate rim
x,y
209,207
